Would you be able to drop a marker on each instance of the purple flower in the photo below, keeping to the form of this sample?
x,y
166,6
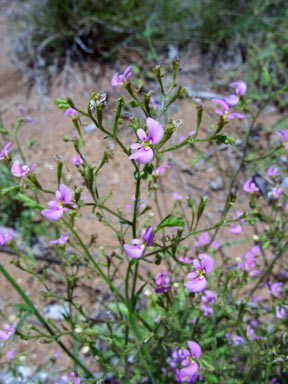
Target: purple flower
x,y
284,137
280,313
77,160
72,379
250,187
19,170
158,171
240,87
62,239
215,244
203,239
255,299
238,340
10,355
275,193
138,246
272,171
250,332
162,282
28,118
119,79
70,112
8,331
250,261
5,151
144,153
225,113
6,235
207,298
275,289
236,228
63,196
189,365
198,281
176,196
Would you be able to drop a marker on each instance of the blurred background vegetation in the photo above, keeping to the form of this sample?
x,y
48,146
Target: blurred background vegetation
x,y
52,32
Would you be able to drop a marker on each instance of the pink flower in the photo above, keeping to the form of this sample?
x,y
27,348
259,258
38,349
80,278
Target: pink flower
x,y
275,193
76,160
215,244
238,340
176,196
250,187
119,79
240,87
250,332
138,246
272,171
225,113
275,289
70,112
5,151
10,355
189,365
198,281
284,137
207,298
280,313
250,261
236,228
6,235
63,196
62,239
144,153
19,170
7,332
158,171
203,239
72,379
162,282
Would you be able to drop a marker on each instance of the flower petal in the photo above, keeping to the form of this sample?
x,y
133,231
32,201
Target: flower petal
x,y
223,104
191,370
155,130
148,236
115,80
196,285
66,193
232,100
136,146
142,156
195,349
52,214
134,252
141,134
207,262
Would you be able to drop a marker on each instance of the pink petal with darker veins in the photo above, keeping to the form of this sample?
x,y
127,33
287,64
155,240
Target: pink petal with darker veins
x,y
155,130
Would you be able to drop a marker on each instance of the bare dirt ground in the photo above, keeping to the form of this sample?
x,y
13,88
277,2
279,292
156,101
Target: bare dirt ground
x,y
48,130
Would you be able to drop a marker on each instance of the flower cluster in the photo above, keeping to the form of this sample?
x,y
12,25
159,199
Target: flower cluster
x,y
184,362
72,379
207,298
249,261
162,282
236,228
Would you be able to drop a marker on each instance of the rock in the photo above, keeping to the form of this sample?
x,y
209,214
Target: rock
x,y
56,311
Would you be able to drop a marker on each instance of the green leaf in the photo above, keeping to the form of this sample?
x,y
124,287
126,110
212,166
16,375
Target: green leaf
x,y
27,201
15,188
201,207
170,221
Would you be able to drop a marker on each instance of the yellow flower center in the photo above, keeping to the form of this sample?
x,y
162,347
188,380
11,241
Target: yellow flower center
x,y
146,144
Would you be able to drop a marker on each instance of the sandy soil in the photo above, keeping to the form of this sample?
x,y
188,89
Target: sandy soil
x,y
49,129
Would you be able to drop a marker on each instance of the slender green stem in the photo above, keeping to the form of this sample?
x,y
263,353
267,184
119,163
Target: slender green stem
x,y
42,320
96,266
